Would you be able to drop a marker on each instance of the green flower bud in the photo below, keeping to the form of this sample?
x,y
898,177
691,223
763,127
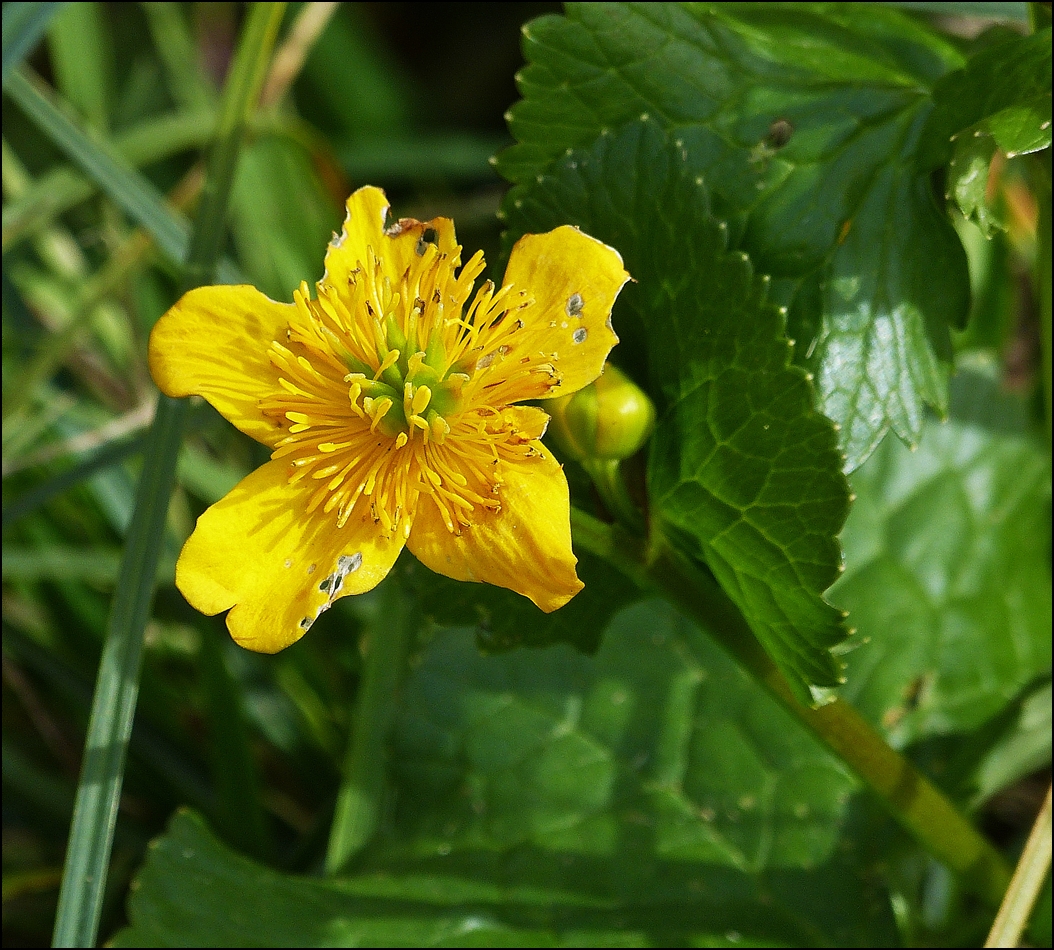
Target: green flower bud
x,y
609,419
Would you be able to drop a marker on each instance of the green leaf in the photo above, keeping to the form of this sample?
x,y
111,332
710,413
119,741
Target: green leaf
x,y
194,891
1002,99
948,571
1003,91
823,106
649,796
504,620
659,745
744,474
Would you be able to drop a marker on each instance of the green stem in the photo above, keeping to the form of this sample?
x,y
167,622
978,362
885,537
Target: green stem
x,y
117,685
362,790
911,798
611,486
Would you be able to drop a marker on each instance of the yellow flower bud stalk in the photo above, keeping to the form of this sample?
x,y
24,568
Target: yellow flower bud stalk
x,y
600,426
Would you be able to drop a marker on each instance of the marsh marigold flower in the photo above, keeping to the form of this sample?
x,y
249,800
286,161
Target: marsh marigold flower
x,y
388,402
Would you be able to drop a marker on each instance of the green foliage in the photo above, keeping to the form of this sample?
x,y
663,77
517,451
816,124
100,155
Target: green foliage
x,y
504,620
823,108
811,199
474,903
1001,100
948,580
744,473
651,785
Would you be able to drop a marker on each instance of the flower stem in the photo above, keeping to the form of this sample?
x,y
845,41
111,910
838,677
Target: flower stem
x,y
913,800
607,477
362,791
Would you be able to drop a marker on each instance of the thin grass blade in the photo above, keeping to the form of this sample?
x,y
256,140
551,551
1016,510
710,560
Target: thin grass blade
x,y
117,686
24,24
101,162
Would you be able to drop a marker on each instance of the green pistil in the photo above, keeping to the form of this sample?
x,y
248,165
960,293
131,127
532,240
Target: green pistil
x,y
426,367
446,396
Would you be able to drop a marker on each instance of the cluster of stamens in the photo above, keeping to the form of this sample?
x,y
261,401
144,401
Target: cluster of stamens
x,y
391,391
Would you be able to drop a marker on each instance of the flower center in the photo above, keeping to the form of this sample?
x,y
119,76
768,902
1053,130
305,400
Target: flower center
x,y
410,393
387,393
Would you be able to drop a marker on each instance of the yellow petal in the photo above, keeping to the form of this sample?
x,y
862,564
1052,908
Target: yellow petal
x,y
406,239
530,421
573,280
363,228
214,343
260,554
396,248
525,546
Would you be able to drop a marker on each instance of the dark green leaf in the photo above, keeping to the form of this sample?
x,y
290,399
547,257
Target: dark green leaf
x,y
948,572
744,474
1004,91
650,796
659,745
504,620
968,181
822,106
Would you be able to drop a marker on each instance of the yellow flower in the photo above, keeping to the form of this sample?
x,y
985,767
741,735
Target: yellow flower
x,y
388,404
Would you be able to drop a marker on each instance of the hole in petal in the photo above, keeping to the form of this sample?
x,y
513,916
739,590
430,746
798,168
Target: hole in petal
x,y
579,336
575,304
349,563
428,236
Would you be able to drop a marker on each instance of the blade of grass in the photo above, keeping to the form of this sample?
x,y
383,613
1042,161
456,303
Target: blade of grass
x,y
82,59
198,472
62,188
101,162
174,44
1024,889
24,24
113,706
110,454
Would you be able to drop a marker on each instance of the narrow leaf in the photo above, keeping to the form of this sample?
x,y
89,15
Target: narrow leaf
x,y
24,24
